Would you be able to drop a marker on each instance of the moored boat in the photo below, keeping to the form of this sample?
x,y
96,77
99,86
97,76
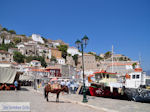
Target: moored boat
x,y
106,85
135,86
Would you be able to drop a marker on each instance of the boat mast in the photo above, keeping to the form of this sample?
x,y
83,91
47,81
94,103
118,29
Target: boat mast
x,y
139,59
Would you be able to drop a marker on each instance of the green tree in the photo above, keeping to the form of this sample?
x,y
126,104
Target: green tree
x,y
75,58
3,36
3,48
46,45
133,65
53,59
3,39
45,40
17,40
7,46
23,35
63,48
39,58
42,60
69,55
98,58
91,53
4,29
107,55
12,31
29,59
18,57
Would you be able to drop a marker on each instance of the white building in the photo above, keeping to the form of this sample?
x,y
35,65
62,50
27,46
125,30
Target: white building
x,y
49,54
6,41
55,44
35,63
102,55
21,48
61,61
73,51
37,38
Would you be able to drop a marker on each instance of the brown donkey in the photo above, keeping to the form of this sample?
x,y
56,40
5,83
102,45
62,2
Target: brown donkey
x,y
48,88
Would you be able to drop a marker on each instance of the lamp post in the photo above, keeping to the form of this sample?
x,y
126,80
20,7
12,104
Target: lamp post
x,y
80,44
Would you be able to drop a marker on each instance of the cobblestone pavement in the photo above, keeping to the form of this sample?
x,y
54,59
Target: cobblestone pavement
x,y
108,104
39,104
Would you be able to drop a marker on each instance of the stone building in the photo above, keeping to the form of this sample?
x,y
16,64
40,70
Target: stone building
x,y
56,53
121,67
27,49
12,50
62,71
5,56
70,61
89,62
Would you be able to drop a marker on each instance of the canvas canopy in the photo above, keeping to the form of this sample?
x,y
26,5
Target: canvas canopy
x,y
7,75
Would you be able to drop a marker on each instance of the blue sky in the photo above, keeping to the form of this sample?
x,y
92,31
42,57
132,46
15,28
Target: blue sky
x,y
122,23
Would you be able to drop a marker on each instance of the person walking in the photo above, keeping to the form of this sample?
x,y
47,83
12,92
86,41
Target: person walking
x,y
72,87
62,83
68,85
16,84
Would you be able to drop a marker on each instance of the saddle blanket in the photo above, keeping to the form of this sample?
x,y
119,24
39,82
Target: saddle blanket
x,y
55,86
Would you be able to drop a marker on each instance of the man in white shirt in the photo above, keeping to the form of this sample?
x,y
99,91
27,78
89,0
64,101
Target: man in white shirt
x,y
62,83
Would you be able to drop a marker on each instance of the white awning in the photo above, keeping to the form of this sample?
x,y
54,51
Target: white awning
x,y
7,75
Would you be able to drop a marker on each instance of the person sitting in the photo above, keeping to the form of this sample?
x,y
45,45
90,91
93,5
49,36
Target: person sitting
x,y
6,87
2,86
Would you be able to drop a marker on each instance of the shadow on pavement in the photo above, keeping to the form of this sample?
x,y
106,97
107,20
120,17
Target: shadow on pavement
x,y
90,98
23,89
59,102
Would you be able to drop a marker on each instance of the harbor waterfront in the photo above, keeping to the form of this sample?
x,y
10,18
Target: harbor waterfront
x,y
71,101
75,56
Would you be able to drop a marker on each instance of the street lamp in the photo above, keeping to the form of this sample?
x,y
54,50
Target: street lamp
x,y
80,44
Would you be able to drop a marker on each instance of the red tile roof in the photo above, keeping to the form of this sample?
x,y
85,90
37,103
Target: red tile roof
x,y
119,64
102,71
38,70
138,70
35,61
7,62
4,52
